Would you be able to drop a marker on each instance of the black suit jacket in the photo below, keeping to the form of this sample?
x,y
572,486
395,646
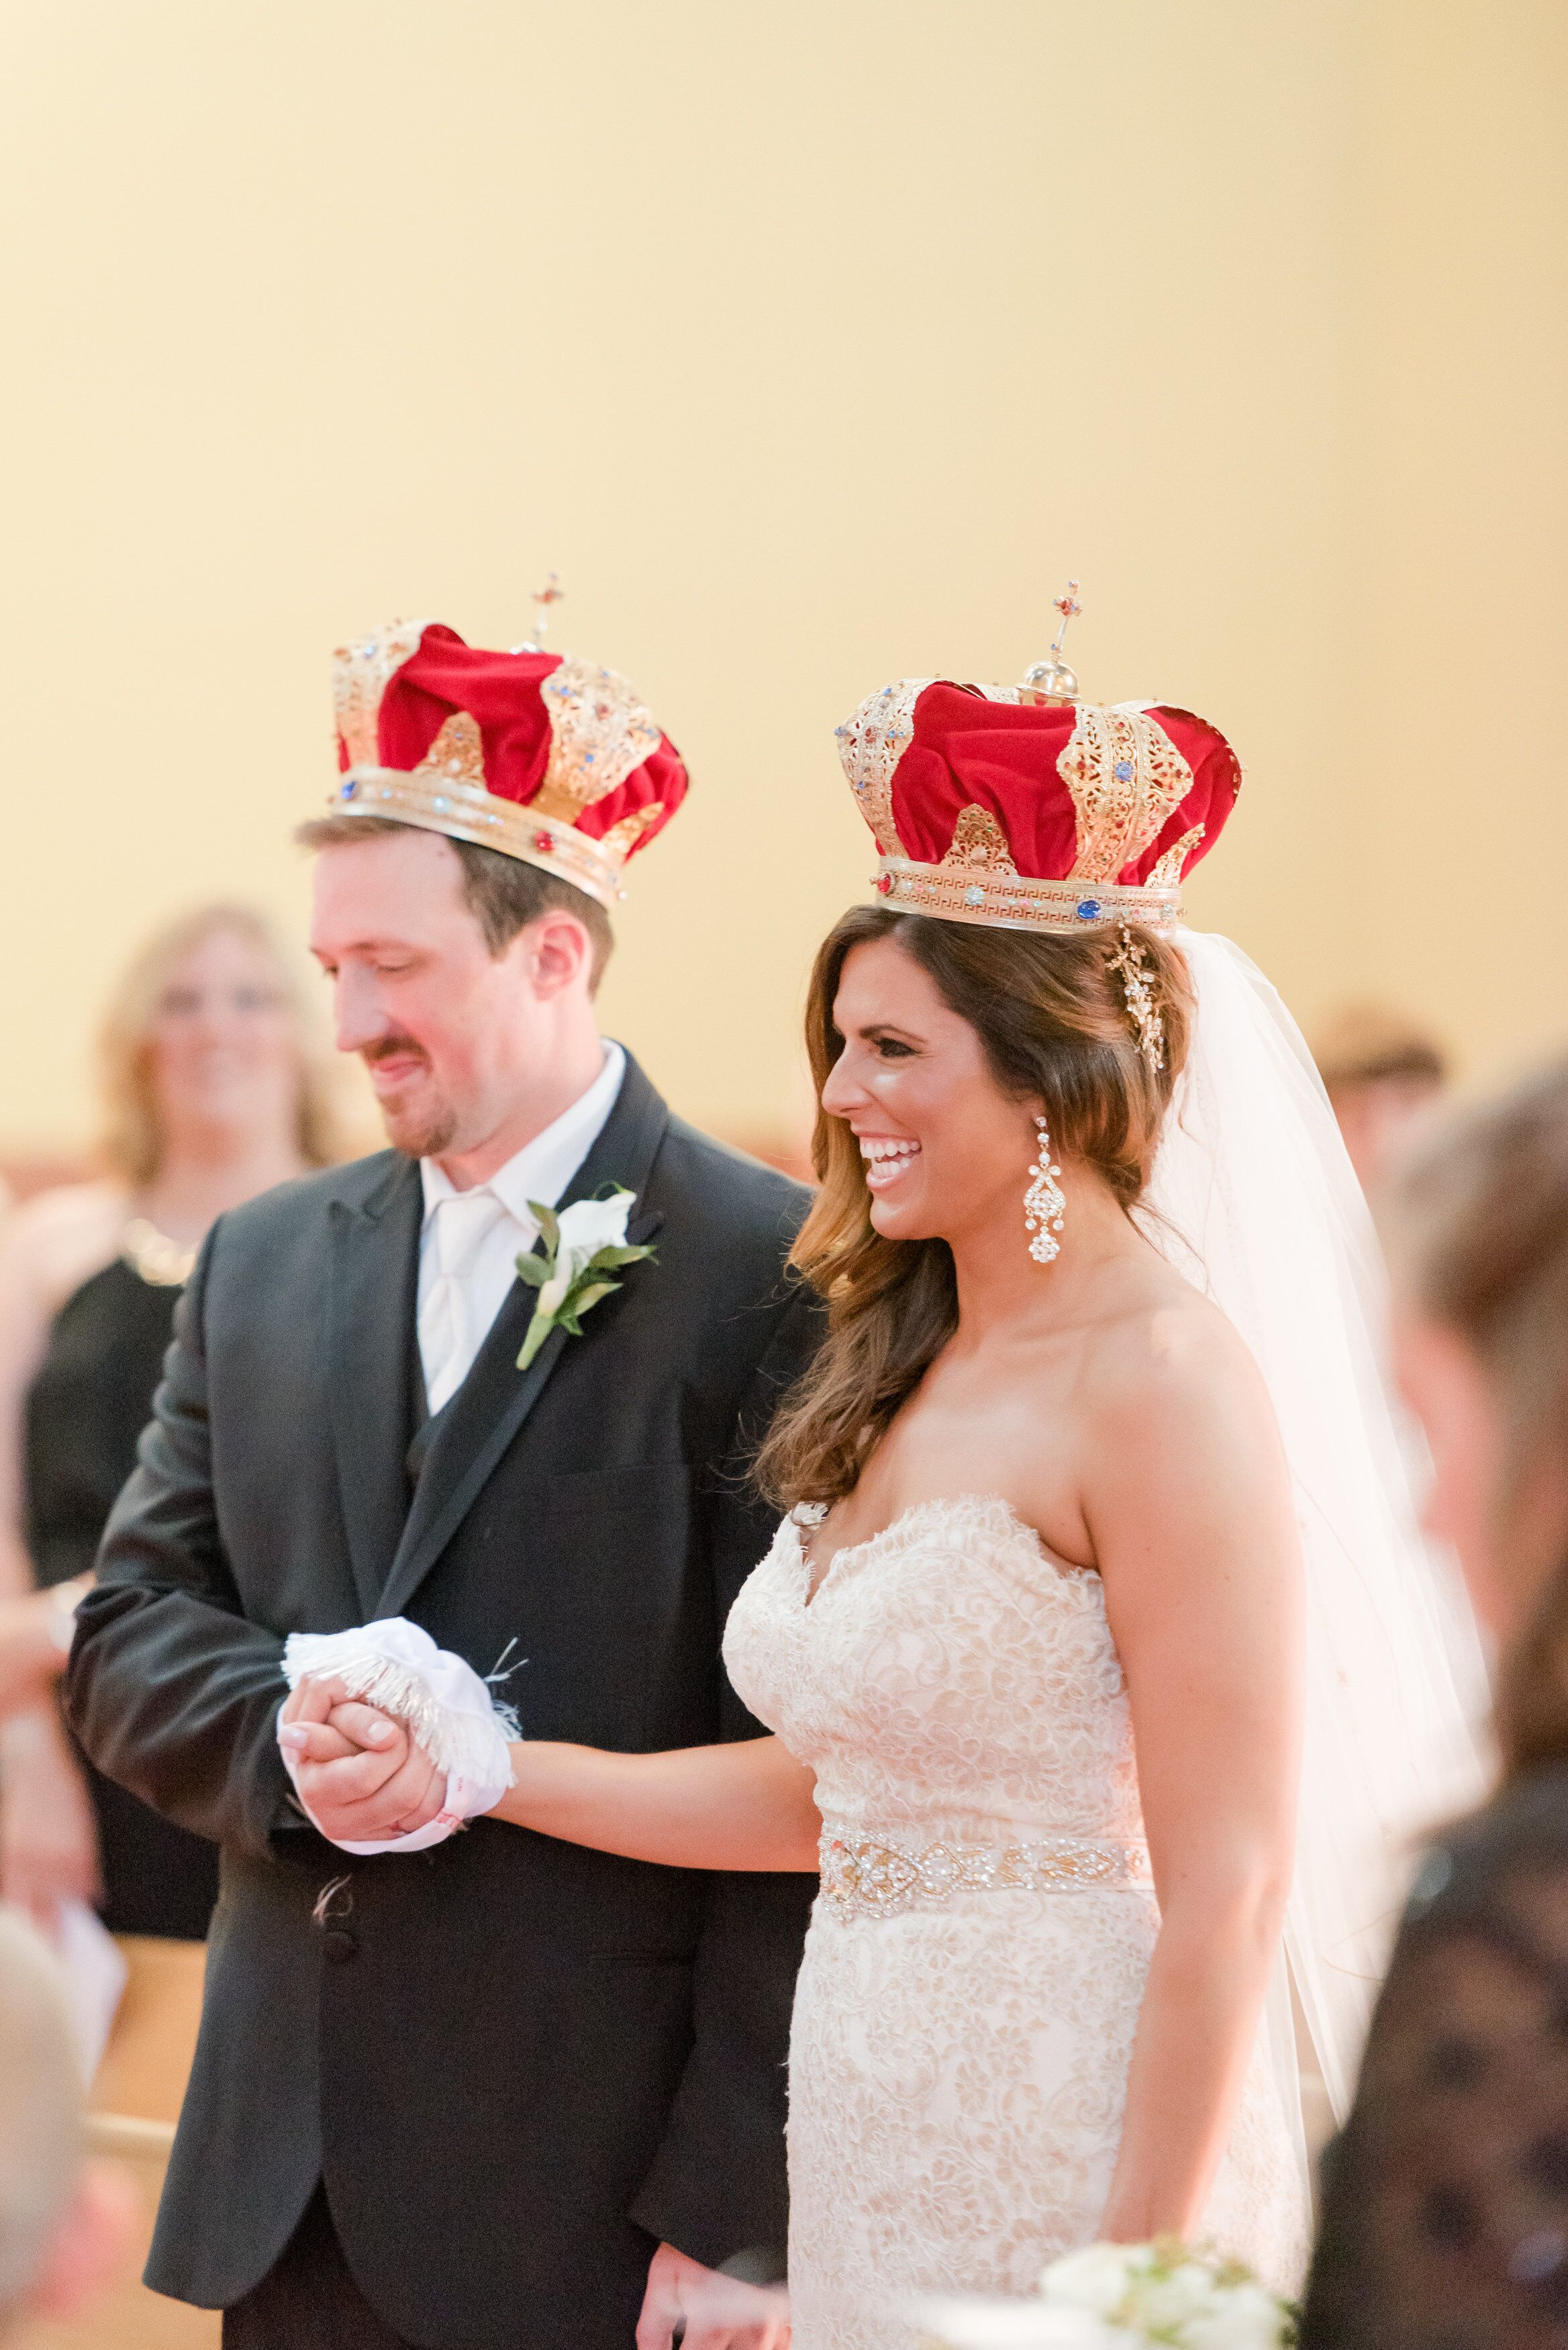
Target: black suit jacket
x,y
517,2063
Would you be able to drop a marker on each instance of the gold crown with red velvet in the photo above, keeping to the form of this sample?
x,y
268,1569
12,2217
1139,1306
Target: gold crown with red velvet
x,y
545,757
1024,808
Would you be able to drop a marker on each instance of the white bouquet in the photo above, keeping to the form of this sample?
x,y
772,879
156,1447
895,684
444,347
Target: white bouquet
x,y
1167,2292
1111,2296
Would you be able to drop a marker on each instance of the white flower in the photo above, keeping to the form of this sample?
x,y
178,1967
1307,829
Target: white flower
x,y
1246,2317
587,1231
1097,2278
552,1296
1162,2304
1150,2292
587,1226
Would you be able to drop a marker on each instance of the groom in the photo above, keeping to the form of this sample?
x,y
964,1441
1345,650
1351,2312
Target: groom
x,y
507,2094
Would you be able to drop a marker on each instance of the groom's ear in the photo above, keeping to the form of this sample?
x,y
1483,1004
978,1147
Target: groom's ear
x,y
555,954
506,896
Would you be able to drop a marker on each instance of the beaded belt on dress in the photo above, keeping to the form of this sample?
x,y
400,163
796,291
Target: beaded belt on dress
x,y
862,1876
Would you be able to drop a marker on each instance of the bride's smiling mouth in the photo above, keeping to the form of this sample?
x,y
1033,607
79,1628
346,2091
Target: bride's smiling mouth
x,y
889,1157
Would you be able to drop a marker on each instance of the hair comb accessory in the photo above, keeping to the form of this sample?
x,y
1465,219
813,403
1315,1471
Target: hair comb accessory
x,y
1130,957
1027,808
547,758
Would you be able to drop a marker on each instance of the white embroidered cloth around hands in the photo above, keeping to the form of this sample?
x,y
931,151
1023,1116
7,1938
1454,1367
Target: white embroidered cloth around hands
x,y
441,1701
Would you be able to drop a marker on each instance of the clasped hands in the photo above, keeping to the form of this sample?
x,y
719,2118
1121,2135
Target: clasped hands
x,y
360,1776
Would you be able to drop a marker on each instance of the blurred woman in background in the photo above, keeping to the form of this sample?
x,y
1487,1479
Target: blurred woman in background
x,y
212,1093
1444,2207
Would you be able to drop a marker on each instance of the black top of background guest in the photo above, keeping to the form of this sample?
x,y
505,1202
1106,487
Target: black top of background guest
x,y
518,2063
84,1411
1445,2199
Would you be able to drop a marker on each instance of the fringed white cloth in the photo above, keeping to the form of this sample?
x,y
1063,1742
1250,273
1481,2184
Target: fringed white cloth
x,y
447,1710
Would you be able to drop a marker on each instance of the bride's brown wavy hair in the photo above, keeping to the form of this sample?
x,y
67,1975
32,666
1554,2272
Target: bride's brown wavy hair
x,y
1051,1015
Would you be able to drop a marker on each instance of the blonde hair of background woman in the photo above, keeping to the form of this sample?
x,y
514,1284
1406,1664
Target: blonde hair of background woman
x,y
131,1144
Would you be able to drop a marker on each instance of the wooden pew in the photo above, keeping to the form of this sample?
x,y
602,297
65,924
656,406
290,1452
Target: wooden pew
x,y
134,2105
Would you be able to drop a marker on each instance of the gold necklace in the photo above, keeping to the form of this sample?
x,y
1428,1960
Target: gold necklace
x,y
154,1257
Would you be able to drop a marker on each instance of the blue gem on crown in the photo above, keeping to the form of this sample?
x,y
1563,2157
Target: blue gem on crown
x,y
347,790
1123,771
1088,910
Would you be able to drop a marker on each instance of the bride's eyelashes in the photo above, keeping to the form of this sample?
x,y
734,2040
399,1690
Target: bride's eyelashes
x,y
892,1048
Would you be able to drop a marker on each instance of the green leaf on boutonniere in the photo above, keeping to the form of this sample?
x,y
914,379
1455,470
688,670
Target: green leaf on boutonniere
x,y
582,1244
582,1300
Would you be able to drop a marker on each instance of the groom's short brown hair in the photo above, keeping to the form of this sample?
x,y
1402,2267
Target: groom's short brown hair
x,y
502,893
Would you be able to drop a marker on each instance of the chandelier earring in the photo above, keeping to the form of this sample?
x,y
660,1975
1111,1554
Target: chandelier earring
x,y
1045,1202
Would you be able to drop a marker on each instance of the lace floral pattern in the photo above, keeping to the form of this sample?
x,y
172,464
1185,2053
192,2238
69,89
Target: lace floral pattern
x,y
957,2070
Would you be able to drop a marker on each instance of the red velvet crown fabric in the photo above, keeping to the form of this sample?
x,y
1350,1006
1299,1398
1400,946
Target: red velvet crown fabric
x,y
502,693
968,751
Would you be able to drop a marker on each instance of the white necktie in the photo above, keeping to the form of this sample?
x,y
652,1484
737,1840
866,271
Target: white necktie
x,y
448,1341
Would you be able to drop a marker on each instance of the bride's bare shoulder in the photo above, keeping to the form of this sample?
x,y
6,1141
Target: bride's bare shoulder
x,y
1169,1370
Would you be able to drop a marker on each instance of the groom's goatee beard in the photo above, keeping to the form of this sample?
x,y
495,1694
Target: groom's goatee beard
x,y
418,1134
418,1137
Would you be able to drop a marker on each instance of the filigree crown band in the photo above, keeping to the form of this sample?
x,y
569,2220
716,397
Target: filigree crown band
x,y
465,812
1016,901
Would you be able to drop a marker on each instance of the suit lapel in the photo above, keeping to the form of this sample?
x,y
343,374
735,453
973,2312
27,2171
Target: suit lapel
x,y
469,1438
375,1267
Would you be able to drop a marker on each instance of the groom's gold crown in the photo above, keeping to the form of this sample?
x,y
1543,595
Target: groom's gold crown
x,y
547,758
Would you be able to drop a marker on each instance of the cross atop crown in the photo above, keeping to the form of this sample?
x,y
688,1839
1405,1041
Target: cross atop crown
x,y
1051,680
550,593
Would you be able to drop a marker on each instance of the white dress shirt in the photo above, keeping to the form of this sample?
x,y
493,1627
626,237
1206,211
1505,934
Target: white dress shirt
x,y
471,1241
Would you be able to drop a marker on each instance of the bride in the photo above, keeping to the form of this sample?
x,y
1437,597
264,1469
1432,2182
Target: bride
x,y
1093,1516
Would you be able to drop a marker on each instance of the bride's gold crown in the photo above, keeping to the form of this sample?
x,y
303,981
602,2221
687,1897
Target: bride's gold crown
x,y
1024,808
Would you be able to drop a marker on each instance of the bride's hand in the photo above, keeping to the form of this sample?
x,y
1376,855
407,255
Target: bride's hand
x,y
362,1729
717,2311
360,1775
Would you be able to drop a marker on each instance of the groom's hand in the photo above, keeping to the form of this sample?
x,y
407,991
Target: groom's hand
x,y
716,2312
359,1776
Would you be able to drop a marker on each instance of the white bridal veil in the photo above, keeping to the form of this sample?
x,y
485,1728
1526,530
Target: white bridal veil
x,y
1256,1203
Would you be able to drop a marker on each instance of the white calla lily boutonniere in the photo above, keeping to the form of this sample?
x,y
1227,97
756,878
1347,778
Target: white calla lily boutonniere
x,y
584,1246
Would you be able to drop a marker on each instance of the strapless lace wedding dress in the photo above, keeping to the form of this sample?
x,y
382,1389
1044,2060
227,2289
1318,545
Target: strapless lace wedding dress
x,y
971,1981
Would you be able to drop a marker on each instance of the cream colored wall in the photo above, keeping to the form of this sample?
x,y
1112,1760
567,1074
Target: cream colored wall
x,y
812,345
